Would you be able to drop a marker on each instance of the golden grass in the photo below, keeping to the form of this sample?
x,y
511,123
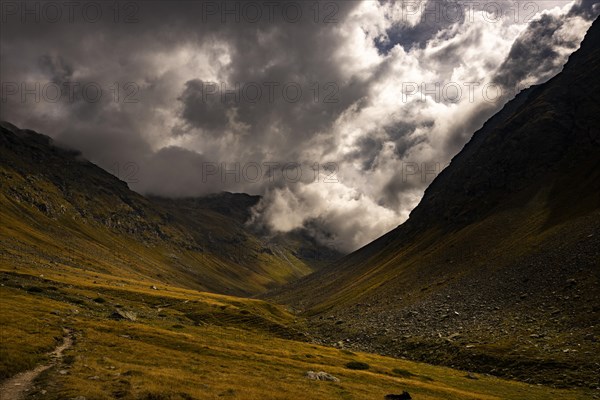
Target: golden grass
x,y
29,325
32,238
238,349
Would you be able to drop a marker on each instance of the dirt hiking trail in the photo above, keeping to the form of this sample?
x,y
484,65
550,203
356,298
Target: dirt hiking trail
x,y
16,387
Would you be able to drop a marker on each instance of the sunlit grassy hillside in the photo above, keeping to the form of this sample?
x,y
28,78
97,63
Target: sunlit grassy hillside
x,y
186,344
56,207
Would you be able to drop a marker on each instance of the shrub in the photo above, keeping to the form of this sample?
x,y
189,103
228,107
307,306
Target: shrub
x,y
357,365
402,372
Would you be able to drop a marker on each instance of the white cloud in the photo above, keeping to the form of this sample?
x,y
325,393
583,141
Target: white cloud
x,y
379,131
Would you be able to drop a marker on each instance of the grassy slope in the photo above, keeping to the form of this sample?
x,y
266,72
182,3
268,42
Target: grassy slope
x,y
57,266
531,170
434,258
498,236
26,230
193,345
61,208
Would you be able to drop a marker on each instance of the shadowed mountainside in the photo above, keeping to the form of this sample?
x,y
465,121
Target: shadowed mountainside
x,y
60,209
119,274
498,268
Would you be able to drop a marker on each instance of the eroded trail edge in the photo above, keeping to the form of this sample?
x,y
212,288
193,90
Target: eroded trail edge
x,y
16,387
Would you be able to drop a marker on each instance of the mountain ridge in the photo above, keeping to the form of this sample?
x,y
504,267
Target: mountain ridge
x,y
81,206
490,255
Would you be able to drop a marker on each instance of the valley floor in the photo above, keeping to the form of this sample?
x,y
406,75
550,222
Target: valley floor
x,y
135,340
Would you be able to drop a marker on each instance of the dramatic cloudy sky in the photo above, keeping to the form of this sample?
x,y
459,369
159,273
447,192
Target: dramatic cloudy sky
x,y
338,113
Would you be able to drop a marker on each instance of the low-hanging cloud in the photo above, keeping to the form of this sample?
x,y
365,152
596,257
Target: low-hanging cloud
x,y
339,116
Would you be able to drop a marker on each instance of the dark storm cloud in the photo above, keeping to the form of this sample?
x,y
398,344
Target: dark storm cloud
x,y
56,68
401,135
176,170
153,62
535,52
435,17
202,109
278,49
402,182
368,148
298,96
451,53
532,54
587,9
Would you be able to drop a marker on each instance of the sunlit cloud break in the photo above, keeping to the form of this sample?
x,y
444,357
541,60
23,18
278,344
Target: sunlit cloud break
x,y
339,115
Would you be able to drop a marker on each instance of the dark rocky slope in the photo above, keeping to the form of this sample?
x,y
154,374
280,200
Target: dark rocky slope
x,y
498,268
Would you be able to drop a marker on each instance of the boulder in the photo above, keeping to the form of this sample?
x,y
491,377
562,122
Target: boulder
x,y
123,315
321,376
